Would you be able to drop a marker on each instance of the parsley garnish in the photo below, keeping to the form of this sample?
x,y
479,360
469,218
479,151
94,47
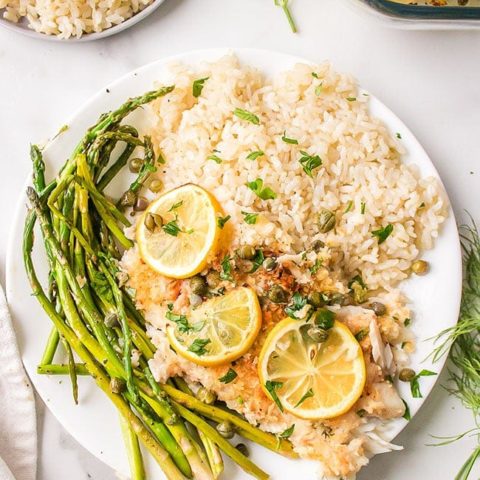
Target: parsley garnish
x,y
221,221
289,140
230,376
362,208
287,433
309,393
414,384
383,233
245,115
272,387
198,346
226,273
398,135
407,322
180,320
309,162
255,155
175,206
257,261
361,413
349,206
172,228
318,90
265,193
406,415
286,10
316,266
361,334
297,303
351,99
198,85
250,218
215,158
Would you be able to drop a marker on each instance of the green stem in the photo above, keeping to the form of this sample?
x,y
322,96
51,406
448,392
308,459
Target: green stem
x,y
50,347
134,453
61,369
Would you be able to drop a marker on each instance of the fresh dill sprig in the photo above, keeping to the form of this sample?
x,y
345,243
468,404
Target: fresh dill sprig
x,y
284,5
464,340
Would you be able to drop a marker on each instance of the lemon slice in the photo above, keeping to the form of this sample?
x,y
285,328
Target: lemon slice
x,y
184,235
221,330
312,380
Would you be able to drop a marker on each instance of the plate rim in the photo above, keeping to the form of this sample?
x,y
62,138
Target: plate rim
x,y
208,55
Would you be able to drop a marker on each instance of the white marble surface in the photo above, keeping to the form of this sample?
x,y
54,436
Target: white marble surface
x,y
430,79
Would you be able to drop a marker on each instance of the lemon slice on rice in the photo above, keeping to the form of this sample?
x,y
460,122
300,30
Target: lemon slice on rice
x,y
221,330
184,232
308,379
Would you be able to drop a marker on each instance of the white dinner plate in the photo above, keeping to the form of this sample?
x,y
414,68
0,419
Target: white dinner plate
x,y
23,28
435,298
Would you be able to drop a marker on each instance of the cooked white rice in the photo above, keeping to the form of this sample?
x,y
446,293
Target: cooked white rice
x,y
362,166
73,18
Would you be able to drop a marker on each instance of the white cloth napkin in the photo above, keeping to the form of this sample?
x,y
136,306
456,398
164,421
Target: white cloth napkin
x,y
18,426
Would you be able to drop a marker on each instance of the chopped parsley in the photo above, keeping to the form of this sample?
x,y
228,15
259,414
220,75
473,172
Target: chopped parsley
x,y
245,115
318,90
383,233
197,86
406,415
292,141
398,135
361,334
255,155
309,162
361,413
198,346
309,393
272,388
287,433
316,266
172,228
297,303
315,75
175,206
229,377
257,261
349,206
181,320
414,384
362,208
351,99
407,322
215,158
226,272
221,221
250,218
265,193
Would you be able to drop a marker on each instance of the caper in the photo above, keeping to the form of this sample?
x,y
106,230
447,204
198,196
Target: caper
x,y
206,396
326,220
226,429
317,245
111,320
359,292
195,300
128,199
406,374
152,221
198,285
155,185
269,264
420,267
324,318
378,308
277,294
247,252
213,279
242,448
336,298
117,385
315,299
317,334
135,164
141,204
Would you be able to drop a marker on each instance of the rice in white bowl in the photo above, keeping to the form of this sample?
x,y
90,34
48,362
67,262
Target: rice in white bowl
x,y
362,169
74,18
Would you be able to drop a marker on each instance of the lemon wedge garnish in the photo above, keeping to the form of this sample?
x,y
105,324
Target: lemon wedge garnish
x,y
184,232
221,330
309,379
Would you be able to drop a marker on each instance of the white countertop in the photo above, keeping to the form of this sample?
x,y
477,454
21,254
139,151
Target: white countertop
x,y
430,79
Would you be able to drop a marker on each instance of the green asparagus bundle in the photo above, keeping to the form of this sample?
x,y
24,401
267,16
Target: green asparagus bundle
x,y
94,315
